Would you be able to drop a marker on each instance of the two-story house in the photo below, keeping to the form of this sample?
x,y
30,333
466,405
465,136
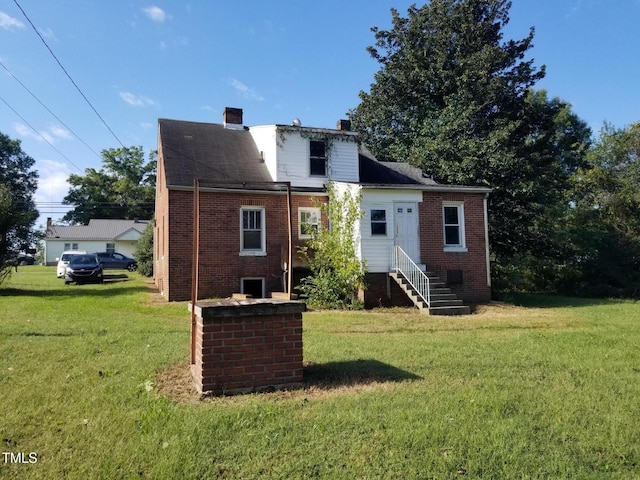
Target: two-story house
x,y
255,207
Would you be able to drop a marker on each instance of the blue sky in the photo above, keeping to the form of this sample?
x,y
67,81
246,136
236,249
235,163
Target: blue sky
x,y
137,61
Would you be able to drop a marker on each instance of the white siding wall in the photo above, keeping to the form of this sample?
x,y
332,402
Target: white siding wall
x,y
343,160
293,161
265,139
377,250
286,154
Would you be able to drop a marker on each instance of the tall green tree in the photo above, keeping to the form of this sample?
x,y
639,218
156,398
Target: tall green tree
x,y
455,98
18,183
123,188
604,223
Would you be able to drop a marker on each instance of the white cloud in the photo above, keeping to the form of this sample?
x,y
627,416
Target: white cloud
x,y
53,183
51,135
246,92
156,14
136,100
7,22
146,125
60,132
48,33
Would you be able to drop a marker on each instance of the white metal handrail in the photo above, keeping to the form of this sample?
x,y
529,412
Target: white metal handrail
x,y
403,264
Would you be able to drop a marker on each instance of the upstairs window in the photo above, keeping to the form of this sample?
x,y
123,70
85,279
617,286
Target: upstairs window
x,y
378,222
453,226
317,158
252,232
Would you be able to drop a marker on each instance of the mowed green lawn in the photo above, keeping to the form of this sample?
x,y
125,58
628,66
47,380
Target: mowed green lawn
x,y
549,389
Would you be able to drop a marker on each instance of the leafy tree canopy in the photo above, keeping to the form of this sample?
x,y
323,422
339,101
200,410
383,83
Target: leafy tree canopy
x,y
609,186
124,188
455,98
18,183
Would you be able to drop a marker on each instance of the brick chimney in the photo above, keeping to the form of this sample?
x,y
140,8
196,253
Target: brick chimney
x,y
49,223
232,118
344,125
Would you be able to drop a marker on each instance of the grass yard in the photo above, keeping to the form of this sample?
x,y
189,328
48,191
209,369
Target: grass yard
x,y
94,384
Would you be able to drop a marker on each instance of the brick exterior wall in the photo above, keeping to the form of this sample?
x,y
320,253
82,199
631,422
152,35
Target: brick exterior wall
x,y
472,263
221,264
248,347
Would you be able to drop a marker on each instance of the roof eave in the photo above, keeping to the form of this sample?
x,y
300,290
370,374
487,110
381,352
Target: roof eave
x,y
430,188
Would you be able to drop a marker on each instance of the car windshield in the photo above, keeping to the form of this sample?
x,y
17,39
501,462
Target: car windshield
x,y
68,256
83,260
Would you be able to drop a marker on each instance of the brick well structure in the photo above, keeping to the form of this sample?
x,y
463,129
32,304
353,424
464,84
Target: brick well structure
x,y
247,346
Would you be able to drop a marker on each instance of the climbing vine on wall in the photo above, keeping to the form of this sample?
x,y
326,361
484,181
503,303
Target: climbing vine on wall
x,y
336,271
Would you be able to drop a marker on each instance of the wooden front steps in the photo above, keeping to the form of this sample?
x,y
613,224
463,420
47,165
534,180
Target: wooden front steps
x,y
443,301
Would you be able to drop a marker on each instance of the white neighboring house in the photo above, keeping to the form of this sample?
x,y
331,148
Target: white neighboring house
x,y
98,236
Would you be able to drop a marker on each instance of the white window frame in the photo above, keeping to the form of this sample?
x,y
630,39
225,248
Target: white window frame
x,y
71,246
462,245
262,251
301,212
378,222
110,247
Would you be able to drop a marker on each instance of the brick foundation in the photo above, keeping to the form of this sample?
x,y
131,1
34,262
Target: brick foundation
x,y
247,346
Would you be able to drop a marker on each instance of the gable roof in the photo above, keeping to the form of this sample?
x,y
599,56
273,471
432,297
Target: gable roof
x,y
209,152
97,229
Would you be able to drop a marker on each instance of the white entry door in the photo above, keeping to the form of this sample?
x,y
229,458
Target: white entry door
x,y
406,234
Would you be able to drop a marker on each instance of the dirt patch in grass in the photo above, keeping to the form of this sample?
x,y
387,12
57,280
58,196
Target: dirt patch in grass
x,y
176,384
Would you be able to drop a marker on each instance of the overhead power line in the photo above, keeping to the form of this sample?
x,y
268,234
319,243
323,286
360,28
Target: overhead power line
x,y
67,73
48,109
39,134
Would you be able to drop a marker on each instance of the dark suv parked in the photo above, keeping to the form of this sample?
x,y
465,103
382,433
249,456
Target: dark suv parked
x,y
117,260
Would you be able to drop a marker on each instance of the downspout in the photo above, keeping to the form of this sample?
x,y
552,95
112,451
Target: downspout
x,y
194,267
486,238
290,249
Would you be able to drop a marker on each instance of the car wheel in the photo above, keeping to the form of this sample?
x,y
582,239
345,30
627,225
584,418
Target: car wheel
x,y
67,282
132,267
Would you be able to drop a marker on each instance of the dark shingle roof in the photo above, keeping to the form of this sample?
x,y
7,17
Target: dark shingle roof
x,y
210,152
375,172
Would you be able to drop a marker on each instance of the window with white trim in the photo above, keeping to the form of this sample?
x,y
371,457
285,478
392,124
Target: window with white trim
x,y
317,158
111,247
453,226
252,231
308,221
378,222
71,246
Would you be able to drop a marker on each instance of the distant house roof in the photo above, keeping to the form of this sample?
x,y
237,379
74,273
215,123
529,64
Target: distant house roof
x,y
97,229
209,152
